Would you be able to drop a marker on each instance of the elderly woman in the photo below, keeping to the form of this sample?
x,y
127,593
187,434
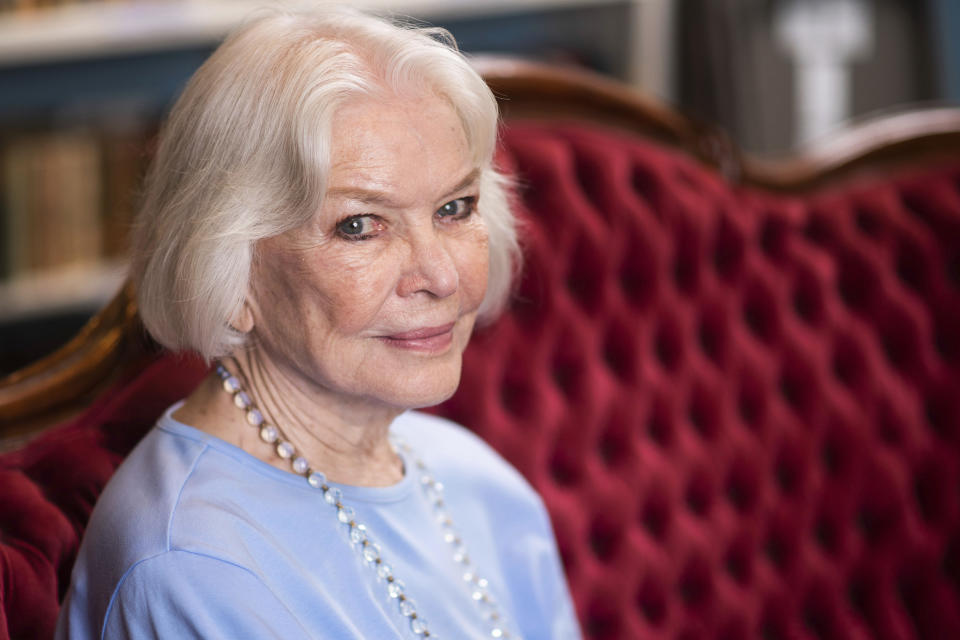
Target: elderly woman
x,y
322,221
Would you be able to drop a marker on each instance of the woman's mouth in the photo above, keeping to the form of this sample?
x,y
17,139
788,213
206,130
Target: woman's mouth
x,y
428,339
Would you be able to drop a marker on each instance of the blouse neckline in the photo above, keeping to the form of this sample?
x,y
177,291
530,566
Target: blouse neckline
x,y
391,493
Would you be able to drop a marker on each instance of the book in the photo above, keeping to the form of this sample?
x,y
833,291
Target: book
x,y
52,185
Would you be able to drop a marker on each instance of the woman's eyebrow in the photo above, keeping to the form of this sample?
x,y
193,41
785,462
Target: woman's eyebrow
x,y
374,196
366,196
468,180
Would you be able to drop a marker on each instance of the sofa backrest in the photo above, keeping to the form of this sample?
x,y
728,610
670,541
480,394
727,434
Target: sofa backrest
x,y
742,408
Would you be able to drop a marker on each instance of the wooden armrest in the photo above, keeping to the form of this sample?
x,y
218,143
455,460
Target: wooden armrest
x,y
62,383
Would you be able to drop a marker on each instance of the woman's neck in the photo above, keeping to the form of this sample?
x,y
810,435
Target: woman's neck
x,y
346,439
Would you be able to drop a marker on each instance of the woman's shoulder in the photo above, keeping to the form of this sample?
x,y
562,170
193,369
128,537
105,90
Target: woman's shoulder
x,y
145,488
438,440
131,518
459,457
151,502
417,425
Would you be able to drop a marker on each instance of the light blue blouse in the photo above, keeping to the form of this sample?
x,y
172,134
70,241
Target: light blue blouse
x,y
195,538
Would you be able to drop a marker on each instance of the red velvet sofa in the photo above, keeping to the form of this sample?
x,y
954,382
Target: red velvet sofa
x,y
736,385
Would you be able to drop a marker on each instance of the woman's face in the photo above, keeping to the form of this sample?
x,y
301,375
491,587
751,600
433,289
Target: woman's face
x,y
375,298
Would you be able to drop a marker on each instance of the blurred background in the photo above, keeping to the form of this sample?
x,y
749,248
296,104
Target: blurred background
x,y
84,85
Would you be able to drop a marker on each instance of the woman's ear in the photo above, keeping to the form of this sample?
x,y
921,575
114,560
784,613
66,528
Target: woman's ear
x,y
243,321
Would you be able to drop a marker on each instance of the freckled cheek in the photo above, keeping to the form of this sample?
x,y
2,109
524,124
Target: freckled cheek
x,y
276,290
473,262
353,297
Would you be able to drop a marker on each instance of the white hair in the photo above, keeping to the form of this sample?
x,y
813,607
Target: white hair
x,y
245,155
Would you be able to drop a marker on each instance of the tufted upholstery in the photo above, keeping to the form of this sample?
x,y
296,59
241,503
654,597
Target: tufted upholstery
x,y
48,488
742,409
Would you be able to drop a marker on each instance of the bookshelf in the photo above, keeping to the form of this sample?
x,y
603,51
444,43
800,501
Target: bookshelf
x,y
144,49
86,83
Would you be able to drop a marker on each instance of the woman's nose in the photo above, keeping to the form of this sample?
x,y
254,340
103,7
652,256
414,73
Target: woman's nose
x,y
430,267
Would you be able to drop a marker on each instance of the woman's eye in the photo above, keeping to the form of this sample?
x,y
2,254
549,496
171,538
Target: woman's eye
x,y
458,209
358,227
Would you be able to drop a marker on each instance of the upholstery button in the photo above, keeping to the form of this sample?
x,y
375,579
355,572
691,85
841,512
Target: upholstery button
x,y
696,584
603,618
857,281
668,345
638,275
569,366
798,383
942,412
759,312
517,395
788,469
862,591
782,540
660,422
935,490
825,533
773,238
655,515
899,336
953,268
565,467
834,454
586,281
698,495
868,222
742,484
737,561
912,266
950,565
946,338
774,623
728,250
751,397
620,351
592,173
686,264
876,523
652,601
704,412
818,614
807,297
819,230
615,444
713,334
646,184
775,552
605,538
890,426
533,299
849,363
918,586
734,630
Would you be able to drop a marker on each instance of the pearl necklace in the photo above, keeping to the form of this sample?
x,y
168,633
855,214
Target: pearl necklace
x,y
361,539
